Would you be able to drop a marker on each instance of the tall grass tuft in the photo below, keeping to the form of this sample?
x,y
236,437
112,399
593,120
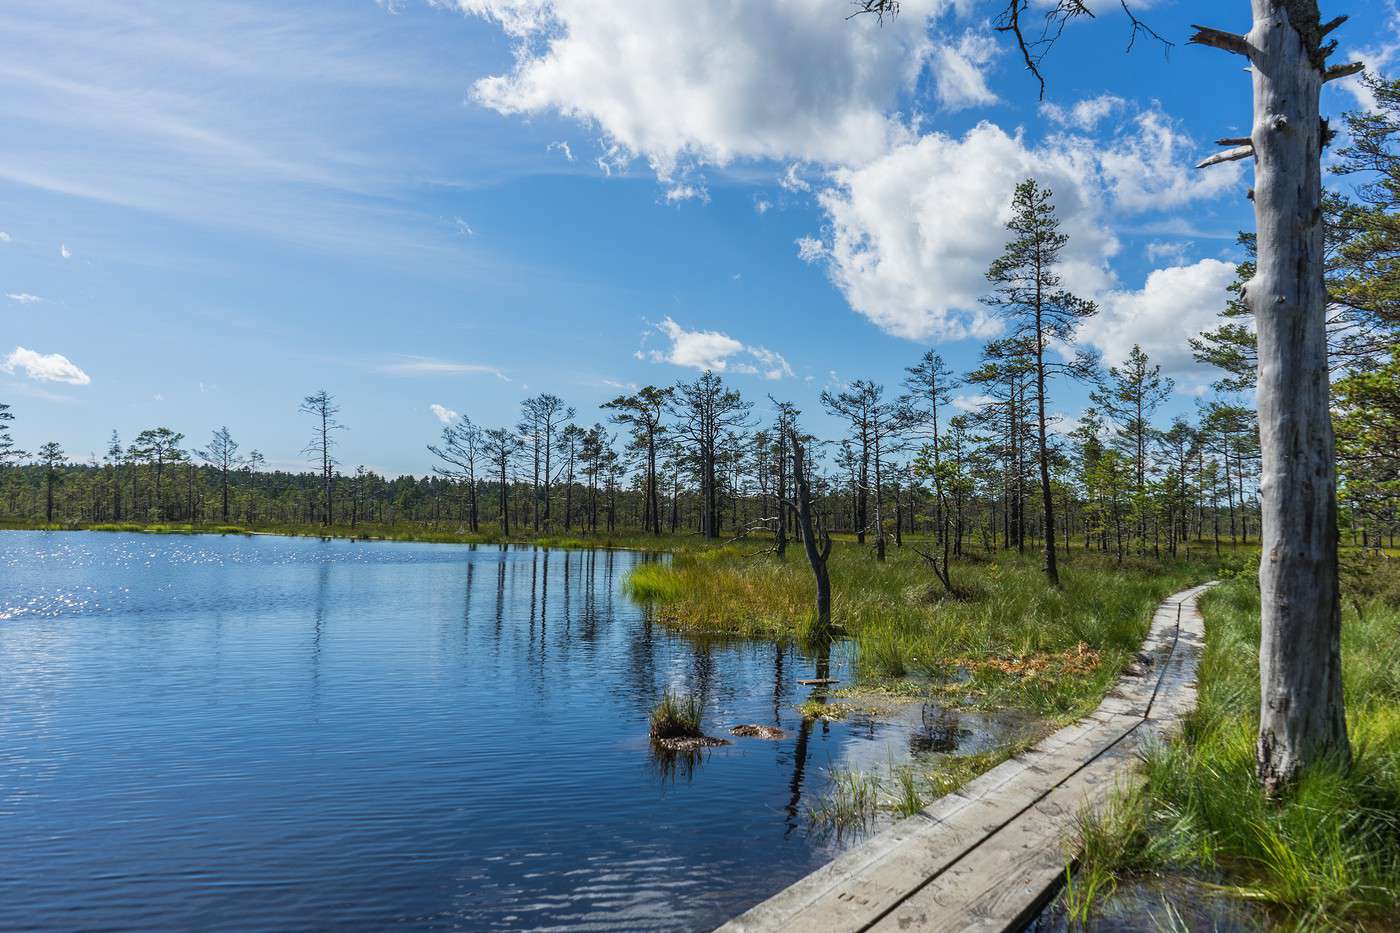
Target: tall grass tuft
x,y
677,716
900,631
1328,855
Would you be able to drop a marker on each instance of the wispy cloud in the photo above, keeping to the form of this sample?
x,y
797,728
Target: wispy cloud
x,y
443,413
23,298
44,367
64,251
428,366
164,120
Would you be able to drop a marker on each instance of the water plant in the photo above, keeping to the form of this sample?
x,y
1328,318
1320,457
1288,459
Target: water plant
x,y
676,716
852,803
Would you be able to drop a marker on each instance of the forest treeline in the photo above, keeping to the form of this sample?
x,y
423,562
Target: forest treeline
x,y
975,457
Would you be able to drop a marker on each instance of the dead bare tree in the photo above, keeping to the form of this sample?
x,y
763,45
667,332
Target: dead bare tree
x,y
816,540
323,408
1302,717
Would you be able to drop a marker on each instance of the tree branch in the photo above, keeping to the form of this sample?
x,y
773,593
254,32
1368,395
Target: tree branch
x,y
1229,155
1139,26
1329,26
1342,71
879,8
1219,39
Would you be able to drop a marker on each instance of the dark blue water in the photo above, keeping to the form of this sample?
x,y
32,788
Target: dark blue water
x,y
256,733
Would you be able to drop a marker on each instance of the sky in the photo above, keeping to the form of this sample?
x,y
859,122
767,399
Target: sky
x,y
439,207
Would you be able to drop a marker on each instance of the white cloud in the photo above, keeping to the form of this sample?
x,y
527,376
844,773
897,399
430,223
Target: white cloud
x,y
971,403
427,366
678,193
563,147
1174,252
45,367
762,206
791,181
463,228
809,249
64,251
912,233
711,81
1378,58
23,298
716,351
5,237
1086,114
1149,166
960,71
1174,304
443,413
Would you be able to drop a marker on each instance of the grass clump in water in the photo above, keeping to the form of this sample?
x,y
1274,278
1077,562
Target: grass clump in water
x,y
853,802
677,716
1328,854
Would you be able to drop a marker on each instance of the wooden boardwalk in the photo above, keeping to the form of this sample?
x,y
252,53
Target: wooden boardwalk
x,y
990,855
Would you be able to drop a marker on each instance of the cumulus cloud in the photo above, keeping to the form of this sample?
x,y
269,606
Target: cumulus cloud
x,y
23,298
960,71
44,367
443,413
1174,303
711,81
912,233
715,351
1149,167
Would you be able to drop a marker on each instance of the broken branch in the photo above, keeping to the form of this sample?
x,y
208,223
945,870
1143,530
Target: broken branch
x,y
1229,155
1342,71
1220,39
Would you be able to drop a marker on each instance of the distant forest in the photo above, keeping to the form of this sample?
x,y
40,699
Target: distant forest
x,y
976,458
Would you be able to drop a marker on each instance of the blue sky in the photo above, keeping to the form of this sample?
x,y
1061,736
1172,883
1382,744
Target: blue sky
x,y
211,210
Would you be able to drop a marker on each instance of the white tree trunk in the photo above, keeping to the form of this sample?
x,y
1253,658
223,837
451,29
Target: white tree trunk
x,y
1301,710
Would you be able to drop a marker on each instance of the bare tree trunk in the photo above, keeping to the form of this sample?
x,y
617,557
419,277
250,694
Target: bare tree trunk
x,y
1301,717
817,552
1300,664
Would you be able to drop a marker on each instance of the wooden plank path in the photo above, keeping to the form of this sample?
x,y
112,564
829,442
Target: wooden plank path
x,y
990,855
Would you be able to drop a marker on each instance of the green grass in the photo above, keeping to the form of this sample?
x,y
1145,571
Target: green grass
x,y
676,717
904,630
652,583
1328,855
853,802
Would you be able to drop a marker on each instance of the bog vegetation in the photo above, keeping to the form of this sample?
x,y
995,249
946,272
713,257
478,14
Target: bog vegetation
x,y
961,527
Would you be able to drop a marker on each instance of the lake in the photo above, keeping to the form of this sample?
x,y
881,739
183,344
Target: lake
x,y
279,733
